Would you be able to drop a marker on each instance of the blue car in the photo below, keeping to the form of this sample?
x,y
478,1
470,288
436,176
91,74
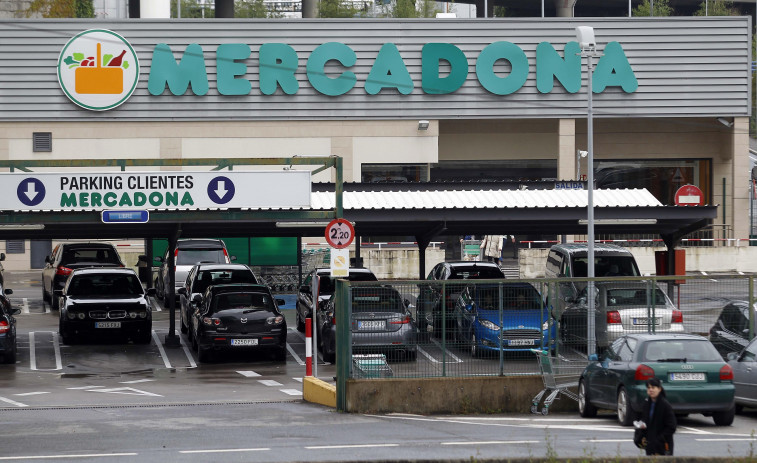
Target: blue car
x,y
510,316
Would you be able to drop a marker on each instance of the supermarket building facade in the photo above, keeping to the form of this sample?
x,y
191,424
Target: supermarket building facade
x,y
398,100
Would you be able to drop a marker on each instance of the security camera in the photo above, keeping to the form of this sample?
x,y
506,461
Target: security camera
x,y
585,37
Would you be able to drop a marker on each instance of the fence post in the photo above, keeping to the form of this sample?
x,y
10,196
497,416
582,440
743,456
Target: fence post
x,y
444,329
501,332
343,342
751,305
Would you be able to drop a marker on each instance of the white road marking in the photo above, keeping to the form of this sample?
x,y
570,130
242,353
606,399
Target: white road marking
x,y
427,355
31,393
86,455
294,354
248,373
533,424
291,391
83,387
299,380
25,305
726,439
262,449
33,352
457,359
606,440
354,446
125,390
161,350
302,336
192,363
269,382
493,442
694,430
136,381
12,402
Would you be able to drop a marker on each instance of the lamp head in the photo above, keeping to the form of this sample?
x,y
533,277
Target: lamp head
x,y
423,125
725,121
585,37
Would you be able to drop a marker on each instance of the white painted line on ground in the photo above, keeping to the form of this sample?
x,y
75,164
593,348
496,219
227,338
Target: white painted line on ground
x,y
192,363
25,305
294,354
291,391
83,387
354,446
85,455
155,305
262,449
694,430
299,380
161,350
125,390
703,272
269,382
33,352
248,373
450,354
12,402
727,439
493,442
605,440
427,355
31,393
135,381
297,332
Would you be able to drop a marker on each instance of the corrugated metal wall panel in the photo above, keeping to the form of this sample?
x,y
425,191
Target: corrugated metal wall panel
x,y
688,67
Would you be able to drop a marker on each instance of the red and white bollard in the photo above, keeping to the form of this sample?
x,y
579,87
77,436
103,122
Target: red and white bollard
x,y
308,347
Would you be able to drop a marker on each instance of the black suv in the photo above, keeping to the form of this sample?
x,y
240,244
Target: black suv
x,y
237,317
66,257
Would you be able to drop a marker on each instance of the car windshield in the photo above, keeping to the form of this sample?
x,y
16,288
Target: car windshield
x,y
242,300
475,272
194,256
606,266
100,255
679,350
98,285
513,298
630,296
206,278
376,300
326,285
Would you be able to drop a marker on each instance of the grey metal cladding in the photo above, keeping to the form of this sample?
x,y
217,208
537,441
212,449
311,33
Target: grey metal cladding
x,y
685,66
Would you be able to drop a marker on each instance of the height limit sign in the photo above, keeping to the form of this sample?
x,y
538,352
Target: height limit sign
x,y
339,233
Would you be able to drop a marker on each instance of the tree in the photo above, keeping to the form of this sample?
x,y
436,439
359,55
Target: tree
x,y
411,9
717,8
337,9
62,8
661,8
251,9
194,9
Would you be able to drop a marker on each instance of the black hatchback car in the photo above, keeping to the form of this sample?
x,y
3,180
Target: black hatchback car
x,y
66,257
105,302
237,317
730,333
7,327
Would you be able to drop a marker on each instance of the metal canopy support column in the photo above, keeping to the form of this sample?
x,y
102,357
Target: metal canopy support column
x,y
170,293
423,242
358,258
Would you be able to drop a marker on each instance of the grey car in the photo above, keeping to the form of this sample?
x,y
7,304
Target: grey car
x,y
744,365
620,308
381,322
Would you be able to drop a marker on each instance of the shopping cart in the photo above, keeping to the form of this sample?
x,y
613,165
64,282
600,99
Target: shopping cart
x,y
559,375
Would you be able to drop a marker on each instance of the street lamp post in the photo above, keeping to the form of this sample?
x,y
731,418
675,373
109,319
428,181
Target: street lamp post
x,y
585,36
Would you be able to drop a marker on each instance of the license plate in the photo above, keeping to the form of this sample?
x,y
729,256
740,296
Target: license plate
x,y
645,321
107,324
371,325
521,342
244,342
687,377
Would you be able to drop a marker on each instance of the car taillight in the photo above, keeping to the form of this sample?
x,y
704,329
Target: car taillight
x,y
274,320
4,326
613,317
63,271
726,373
402,321
226,255
211,321
677,316
643,373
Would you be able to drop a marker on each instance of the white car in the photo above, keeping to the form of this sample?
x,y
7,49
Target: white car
x,y
189,253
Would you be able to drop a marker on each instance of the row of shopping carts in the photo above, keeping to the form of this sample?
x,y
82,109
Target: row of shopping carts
x,y
560,375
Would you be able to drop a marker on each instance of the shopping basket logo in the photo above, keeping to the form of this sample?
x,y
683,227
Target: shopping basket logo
x,y
98,69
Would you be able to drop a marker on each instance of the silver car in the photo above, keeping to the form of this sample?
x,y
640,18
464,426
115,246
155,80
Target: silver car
x,y
744,365
188,253
620,308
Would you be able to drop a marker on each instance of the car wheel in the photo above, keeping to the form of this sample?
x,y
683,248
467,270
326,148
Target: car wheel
x,y
10,357
44,294
203,355
280,354
411,355
54,302
158,291
329,357
739,409
143,338
724,418
183,323
300,322
625,412
585,408
474,351
192,340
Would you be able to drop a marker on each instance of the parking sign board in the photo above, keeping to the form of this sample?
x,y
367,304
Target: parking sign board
x,y
339,233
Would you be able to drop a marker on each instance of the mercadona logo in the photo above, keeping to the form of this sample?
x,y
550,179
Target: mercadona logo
x,y
98,69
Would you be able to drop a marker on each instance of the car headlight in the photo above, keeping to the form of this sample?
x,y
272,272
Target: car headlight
x,y
71,315
489,325
81,315
133,314
545,326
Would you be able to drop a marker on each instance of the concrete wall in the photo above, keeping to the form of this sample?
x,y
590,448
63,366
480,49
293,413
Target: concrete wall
x,y
508,394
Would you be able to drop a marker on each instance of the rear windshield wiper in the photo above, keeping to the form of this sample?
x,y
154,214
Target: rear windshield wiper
x,y
252,310
672,360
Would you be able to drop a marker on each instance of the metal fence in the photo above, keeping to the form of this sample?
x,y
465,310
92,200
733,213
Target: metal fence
x,y
413,329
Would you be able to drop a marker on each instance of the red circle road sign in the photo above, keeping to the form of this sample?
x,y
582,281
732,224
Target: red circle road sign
x,y
340,233
689,195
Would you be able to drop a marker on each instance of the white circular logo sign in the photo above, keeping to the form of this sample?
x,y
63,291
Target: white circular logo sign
x,y
98,69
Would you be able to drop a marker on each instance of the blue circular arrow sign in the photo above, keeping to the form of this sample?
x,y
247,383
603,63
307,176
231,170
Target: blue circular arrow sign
x,y
31,191
221,190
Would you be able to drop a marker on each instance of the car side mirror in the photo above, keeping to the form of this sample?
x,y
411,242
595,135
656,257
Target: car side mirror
x,y
182,290
48,260
15,311
151,291
8,291
233,258
305,289
594,358
58,292
281,301
197,299
732,356
158,259
2,256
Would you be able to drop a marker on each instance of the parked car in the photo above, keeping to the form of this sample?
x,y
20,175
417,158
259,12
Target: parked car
x,y
381,323
744,365
320,282
730,333
105,302
439,296
508,316
620,308
237,317
66,257
8,348
202,276
694,376
188,253
2,269
571,261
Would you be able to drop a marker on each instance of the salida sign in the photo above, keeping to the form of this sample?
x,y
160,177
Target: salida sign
x,y
444,69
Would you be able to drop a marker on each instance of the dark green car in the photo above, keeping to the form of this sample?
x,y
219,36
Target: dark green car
x,y
693,374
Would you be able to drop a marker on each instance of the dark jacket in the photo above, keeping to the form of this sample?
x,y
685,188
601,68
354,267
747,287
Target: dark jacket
x,y
660,427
